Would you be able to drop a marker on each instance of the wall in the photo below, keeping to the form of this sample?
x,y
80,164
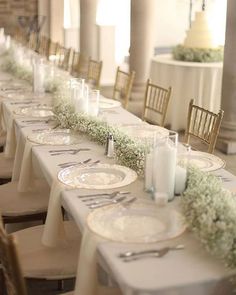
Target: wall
x,y
10,10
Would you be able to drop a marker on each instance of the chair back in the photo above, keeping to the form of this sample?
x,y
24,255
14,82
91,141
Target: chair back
x,y
74,70
43,46
94,73
64,57
33,41
156,103
123,86
53,48
13,278
203,124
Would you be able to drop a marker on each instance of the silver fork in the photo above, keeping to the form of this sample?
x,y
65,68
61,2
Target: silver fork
x,y
151,253
66,164
81,164
71,152
106,197
104,194
108,202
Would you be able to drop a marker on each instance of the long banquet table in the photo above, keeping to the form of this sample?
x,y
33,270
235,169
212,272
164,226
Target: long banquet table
x,y
191,271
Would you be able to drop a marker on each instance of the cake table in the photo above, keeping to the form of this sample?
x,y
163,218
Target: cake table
x,y
200,81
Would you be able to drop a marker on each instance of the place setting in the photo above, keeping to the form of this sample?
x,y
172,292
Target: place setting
x,y
38,111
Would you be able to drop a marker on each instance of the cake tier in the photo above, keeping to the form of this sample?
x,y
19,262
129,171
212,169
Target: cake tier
x,y
200,35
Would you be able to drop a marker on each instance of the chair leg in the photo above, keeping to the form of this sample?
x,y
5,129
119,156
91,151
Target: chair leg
x,y
60,285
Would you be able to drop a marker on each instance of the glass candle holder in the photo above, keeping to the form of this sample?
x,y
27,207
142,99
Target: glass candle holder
x,y
93,102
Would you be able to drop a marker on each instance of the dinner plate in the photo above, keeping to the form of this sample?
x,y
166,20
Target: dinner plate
x,y
34,111
55,137
101,176
204,161
140,222
106,103
142,131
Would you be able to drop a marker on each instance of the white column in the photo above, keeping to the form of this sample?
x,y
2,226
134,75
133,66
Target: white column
x,y
142,39
228,101
106,53
57,21
44,10
71,24
88,29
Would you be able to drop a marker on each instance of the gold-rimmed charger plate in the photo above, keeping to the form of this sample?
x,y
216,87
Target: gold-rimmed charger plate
x,y
34,111
55,137
100,176
140,222
204,161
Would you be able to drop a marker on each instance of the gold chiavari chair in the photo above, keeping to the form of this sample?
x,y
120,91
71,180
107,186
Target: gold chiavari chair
x,y
43,46
75,63
80,65
123,86
33,41
64,57
94,73
156,103
53,48
15,265
20,36
203,124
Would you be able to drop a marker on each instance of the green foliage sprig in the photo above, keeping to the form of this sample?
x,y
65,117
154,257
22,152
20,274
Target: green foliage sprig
x,y
198,54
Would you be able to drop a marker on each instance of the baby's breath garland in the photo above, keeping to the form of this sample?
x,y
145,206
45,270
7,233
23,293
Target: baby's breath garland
x,y
128,152
210,212
11,66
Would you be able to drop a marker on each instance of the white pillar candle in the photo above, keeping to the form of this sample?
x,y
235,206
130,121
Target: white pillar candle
x,y
149,172
164,169
39,75
180,180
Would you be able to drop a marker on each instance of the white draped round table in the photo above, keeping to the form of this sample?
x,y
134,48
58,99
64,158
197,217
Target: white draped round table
x,y
200,81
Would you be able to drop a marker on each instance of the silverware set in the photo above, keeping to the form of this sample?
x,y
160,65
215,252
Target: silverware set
x,y
36,121
94,201
86,163
67,151
129,256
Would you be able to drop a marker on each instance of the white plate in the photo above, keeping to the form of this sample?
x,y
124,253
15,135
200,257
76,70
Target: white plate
x,y
142,131
34,111
101,176
140,222
106,103
55,137
204,161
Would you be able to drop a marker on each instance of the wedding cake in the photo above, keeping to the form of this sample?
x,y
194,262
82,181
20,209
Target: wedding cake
x,y
199,44
200,34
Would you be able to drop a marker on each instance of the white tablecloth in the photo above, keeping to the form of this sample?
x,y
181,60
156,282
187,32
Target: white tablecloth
x,y
191,271
200,81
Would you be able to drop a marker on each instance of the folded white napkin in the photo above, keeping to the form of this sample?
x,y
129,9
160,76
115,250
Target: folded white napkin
x,y
54,229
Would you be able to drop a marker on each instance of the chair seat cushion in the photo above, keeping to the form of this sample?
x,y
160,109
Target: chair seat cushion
x,y
13,203
6,166
42,262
